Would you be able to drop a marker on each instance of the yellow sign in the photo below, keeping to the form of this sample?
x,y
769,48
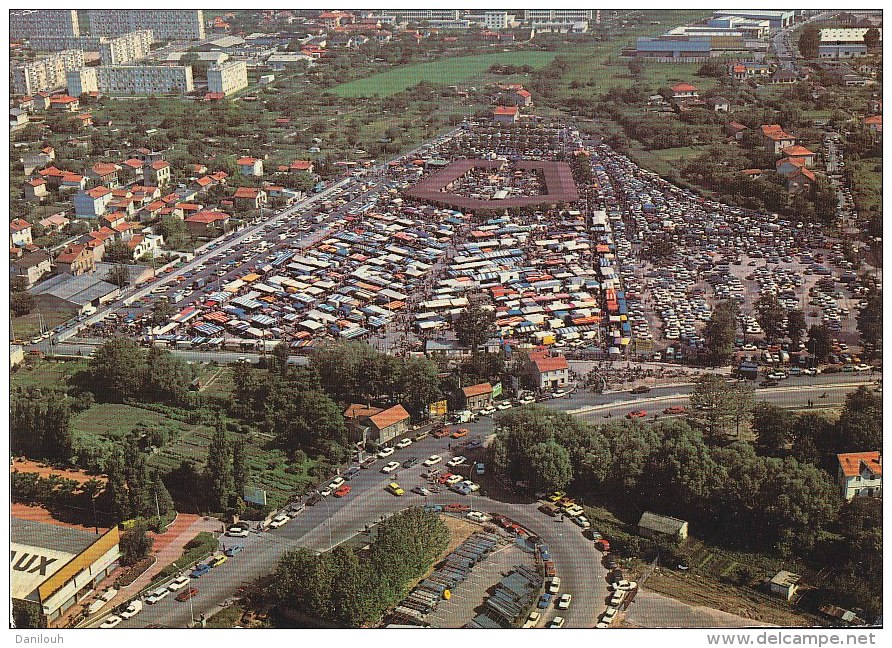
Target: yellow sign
x,y
438,408
447,594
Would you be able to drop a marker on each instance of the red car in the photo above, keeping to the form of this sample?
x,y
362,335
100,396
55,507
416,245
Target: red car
x,y
185,595
456,508
636,414
460,432
442,478
343,490
675,409
442,432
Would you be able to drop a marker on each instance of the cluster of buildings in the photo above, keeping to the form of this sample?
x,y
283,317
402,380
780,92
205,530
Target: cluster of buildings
x,y
844,42
726,33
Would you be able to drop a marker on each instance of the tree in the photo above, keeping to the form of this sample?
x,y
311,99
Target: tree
x,y
167,377
116,369
809,40
19,283
871,38
135,543
636,67
713,404
40,425
475,326
162,311
721,333
773,427
421,384
795,325
870,323
769,314
819,341
239,474
21,303
174,231
118,275
117,252
218,472
550,466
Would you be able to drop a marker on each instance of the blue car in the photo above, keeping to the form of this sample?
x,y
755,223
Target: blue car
x,y
199,571
231,551
434,508
544,601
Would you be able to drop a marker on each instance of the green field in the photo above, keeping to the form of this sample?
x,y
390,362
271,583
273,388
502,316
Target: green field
x,y
46,374
452,70
27,326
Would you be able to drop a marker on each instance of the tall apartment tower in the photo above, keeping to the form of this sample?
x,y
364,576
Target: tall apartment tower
x,y
228,78
43,22
133,46
47,73
84,80
186,24
138,80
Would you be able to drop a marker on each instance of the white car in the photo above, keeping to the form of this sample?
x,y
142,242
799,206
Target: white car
x,y
157,595
471,485
325,492
389,468
336,482
487,411
111,622
405,443
607,618
532,620
385,452
433,459
617,598
132,610
237,532
623,586
457,461
178,583
279,520
553,585
564,601
557,622
478,516
503,406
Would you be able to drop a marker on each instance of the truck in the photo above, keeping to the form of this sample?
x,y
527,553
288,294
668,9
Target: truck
x,y
462,416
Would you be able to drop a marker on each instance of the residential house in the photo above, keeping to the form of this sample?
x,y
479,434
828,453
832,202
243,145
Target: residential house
x,y
684,91
248,166
112,219
75,260
65,103
783,75
132,168
505,114
158,173
735,130
785,584
72,182
249,197
738,72
657,527
874,123
718,104
301,165
478,396
800,180
35,190
550,372
37,160
53,176
32,267
521,97
55,222
753,174
860,474
18,118
19,233
142,244
802,153
789,165
775,139
93,202
204,223
388,424
104,173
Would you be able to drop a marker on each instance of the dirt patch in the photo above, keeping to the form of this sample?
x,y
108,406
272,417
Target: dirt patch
x,y
40,514
26,465
701,591
459,531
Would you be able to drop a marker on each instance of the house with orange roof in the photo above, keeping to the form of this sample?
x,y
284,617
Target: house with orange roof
x,y
301,165
738,72
775,139
158,173
505,114
104,173
112,219
800,152
65,103
800,180
55,222
92,203
684,91
75,260
860,474
249,197
789,165
204,183
72,182
753,174
249,166
152,210
52,175
550,372
521,97
875,124
477,396
35,190
220,176
133,167
19,233
205,222
387,424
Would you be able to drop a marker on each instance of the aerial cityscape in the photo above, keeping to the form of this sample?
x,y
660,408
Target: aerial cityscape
x,y
446,318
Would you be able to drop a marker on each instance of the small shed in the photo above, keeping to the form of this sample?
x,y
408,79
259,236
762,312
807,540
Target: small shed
x,y
657,527
784,584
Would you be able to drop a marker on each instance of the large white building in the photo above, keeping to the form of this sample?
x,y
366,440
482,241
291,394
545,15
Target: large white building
x,y
499,20
82,80
46,73
187,24
420,15
43,22
533,16
228,78
136,80
133,46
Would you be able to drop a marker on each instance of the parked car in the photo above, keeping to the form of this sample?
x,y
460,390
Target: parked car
x,y
237,532
405,443
394,489
459,433
553,585
675,409
157,595
457,461
390,467
314,499
234,550
433,459
342,491
385,452
279,520
411,461
478,516
641,389
185,595
131,610
110,621
636,414
218,560
557,622
607,618
532,619
564,601
178,583
421,490
200,570
544,601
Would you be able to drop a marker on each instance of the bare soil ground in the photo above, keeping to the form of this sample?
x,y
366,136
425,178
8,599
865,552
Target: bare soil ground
x,y
26,465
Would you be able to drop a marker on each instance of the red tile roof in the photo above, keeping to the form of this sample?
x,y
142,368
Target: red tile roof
x,y
18,225
98,192
873,120
160,164
775,132
246,161
853,462
683,87
505,110
358,410
550,363
301,165
524,93
246,192
104,168
207,217
477,390
389,417
796,151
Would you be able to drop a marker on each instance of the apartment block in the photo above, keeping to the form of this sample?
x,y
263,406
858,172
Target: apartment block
x,y
144,80
228,78
80,81
562,16
41,22
498,20
420,15
47,73
54,43
130,47
166,24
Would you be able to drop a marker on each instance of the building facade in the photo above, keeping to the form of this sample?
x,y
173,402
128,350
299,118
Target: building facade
x,y
83,80
187,24
132,46
46,73
144,79
860,474
533,16
41,22
420,15
228,78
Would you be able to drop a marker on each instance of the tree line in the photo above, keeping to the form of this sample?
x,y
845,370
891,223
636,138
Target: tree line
x,y
354,589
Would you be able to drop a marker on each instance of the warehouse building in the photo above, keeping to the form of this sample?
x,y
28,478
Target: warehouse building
x,y
54,567
65,291
777,19
674,49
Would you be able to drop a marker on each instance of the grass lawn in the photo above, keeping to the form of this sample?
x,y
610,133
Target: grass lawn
x,y
451,70
27,326
867,184
228,617
46,374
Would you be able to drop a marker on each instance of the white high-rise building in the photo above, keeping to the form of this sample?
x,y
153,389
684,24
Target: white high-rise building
x,y
420,15
130,47
498,20
228,78
84,80
47,73
43,22
187,24
563,16
137,80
